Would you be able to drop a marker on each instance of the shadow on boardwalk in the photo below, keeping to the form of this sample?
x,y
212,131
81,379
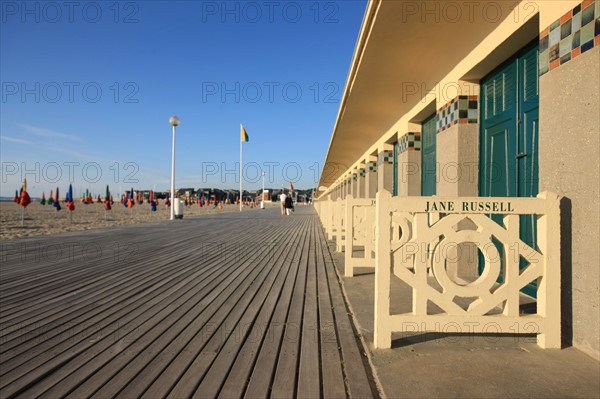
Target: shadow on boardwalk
x,y
236,305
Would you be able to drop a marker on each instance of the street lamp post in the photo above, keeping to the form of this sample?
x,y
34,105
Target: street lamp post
x,y
262,199
174,121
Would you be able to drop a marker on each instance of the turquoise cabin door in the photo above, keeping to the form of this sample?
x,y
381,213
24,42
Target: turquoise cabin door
x,y
428,156
509,137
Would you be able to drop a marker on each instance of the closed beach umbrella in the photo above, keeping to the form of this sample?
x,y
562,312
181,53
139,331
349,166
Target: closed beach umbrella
x,y
107,199
152,202
24,199
70,203
130,200
167,201
43,200
16,199
56,203
50,198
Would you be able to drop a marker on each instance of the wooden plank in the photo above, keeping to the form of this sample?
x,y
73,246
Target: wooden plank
x,y
356,376
284,384
333,376
309,379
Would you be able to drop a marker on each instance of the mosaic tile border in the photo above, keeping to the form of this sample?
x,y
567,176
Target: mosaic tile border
x,y
371,166
570,36
362,172
460,110
354,176
385,156
410,142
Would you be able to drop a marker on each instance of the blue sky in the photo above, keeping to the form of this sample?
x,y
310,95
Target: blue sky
x,y
87,91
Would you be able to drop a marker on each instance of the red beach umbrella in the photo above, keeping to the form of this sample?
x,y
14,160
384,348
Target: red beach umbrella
x,y
107,200
130,200
16,199
25,199
43,200
70,203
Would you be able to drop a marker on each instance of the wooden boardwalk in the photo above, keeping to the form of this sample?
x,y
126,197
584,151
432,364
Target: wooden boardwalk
x,y
236,305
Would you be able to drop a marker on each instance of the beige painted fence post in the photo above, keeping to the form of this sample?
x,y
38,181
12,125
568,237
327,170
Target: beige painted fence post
x,y
382,332
549,304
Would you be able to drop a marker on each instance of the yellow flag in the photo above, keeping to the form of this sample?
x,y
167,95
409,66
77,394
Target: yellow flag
x,y
244,134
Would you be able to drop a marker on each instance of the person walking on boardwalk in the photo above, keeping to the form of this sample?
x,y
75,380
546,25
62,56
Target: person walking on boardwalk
x,y
282,199
289,205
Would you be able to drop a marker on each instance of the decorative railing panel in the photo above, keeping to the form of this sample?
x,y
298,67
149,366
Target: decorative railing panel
x,y
416,237
338,223
360,232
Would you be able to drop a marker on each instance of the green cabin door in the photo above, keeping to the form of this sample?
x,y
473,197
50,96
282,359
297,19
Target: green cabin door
x,y
509,137
428,156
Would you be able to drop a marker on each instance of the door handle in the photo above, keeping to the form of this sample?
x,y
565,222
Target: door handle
x,y
521,155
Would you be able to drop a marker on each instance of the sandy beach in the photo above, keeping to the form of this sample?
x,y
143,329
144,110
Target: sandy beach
x,y
44,219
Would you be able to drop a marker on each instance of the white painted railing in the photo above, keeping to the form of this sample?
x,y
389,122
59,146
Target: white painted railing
x,y
409,242
360,234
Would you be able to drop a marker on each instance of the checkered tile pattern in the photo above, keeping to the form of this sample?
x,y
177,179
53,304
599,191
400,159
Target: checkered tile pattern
x,y
410,142
372,166
385,157
460,110
569,36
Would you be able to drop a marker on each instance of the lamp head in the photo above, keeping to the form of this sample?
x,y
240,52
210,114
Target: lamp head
x,y
174,121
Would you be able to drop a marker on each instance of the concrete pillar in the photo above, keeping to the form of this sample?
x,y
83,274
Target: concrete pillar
x,y
349,185
457,145
355,184
385,168
360,186
569,154
409,162
371,177
457,157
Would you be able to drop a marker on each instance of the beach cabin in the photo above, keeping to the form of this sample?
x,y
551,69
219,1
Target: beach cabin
x,y
472,130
